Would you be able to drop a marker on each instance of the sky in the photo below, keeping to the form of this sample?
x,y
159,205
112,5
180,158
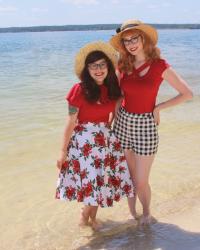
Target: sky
x,y
16,13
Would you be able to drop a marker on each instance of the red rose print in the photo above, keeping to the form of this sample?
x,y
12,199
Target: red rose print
x,y
79,128
83,174
100,181
92,171
80,196
107,161
70,191
127,188
117,146
88,189
114,181
97,163
109,201
121,169
87,149
117,197
76,166
65,165
122,158
113,162
100,139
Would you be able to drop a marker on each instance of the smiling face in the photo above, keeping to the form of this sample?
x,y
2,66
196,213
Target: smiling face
x,y
133,42
98,70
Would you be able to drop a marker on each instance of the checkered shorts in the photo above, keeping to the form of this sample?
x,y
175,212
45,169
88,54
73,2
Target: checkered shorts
x,y
137,132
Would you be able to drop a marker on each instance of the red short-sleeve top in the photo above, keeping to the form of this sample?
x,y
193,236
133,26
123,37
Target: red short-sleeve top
x,y
140,92
91,112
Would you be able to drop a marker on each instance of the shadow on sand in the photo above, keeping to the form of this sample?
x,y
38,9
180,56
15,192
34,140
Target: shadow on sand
x,y
124,236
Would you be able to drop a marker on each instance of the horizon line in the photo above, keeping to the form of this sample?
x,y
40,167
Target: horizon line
x,y
62,25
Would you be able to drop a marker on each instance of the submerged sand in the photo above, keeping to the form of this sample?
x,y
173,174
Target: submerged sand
x,y
31,219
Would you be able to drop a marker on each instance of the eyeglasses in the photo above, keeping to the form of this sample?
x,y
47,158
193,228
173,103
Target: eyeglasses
x,y
133,40
95,66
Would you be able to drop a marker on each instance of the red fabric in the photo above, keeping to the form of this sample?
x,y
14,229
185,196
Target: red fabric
x,y
140,92
91,112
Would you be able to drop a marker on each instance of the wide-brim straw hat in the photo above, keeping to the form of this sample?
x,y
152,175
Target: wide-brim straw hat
x,y
149,30
81,56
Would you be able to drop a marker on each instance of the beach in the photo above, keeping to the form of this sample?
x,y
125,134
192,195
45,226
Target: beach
x,y
32,219
36,73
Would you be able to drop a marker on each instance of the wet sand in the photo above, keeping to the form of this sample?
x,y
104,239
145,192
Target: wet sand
x,y
31,219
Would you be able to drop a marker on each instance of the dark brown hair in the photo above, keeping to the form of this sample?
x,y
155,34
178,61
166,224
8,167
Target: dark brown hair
x,y
126,61
90,88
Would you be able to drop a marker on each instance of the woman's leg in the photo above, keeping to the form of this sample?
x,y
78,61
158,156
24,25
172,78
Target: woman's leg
x,y
130,158
84,217
93,212
94,223
142,171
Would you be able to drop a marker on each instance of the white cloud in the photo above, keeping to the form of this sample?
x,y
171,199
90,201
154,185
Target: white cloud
x,y
8,9
81,2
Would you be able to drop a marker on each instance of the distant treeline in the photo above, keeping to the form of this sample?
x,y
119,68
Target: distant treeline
x,y
91,27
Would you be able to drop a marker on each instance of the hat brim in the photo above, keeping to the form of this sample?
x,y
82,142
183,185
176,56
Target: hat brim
x,y
106,48
149,30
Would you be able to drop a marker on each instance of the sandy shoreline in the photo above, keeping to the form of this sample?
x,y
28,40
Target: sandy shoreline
x,y
178,231
188,219
31,219
47,224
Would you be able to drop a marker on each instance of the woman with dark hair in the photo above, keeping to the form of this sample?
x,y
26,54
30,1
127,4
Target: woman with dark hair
x,y
92,165
141,72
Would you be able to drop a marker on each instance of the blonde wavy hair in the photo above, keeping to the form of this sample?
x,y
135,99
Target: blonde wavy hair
x,y
126,60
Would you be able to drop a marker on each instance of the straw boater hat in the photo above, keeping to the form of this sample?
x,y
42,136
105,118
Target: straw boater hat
x,y
106,48
149,30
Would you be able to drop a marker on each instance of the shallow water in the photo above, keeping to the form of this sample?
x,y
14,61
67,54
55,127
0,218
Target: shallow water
x,y
159,236
28,179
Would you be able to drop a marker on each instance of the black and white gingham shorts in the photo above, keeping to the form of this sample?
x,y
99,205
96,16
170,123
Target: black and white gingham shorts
x,y
137,132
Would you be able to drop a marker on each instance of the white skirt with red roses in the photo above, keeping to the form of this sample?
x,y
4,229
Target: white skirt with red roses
x,y
95,172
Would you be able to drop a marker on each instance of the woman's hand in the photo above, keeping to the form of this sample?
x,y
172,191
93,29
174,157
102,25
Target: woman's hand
x,y
69,127
61,159
156,115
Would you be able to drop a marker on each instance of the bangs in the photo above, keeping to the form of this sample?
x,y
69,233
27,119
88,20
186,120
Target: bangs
x,y
95,56
131,32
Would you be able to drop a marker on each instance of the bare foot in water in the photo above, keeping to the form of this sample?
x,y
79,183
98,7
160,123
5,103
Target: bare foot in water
x,y
133,219
96,225
147,220
134,216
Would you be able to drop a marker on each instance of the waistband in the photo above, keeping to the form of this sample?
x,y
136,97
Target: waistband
x,y
99,124
139,115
